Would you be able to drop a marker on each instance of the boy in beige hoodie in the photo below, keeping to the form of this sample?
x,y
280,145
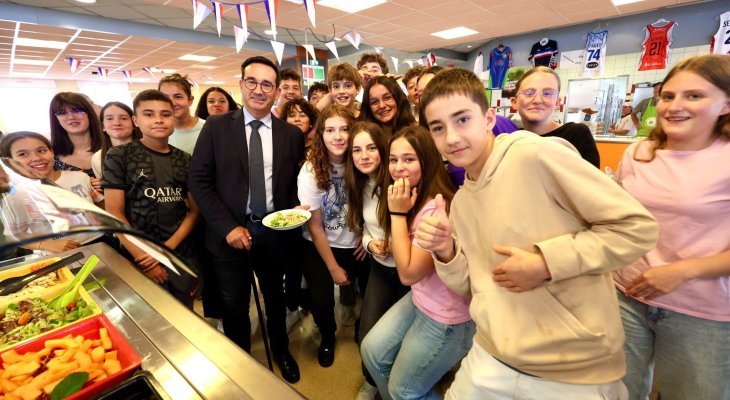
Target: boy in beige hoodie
x,y
533,236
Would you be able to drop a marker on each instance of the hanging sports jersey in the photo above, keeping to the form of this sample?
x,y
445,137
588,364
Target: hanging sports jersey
x,y
479,64
721,41
545,53
594,58
655,54
499,62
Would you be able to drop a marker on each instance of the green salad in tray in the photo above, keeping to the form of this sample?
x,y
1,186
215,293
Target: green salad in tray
x,y
32,317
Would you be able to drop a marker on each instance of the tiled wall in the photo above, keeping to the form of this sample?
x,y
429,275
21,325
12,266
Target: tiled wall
x,y
628,64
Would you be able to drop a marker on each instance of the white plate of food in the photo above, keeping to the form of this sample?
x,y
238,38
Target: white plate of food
x,y
285,220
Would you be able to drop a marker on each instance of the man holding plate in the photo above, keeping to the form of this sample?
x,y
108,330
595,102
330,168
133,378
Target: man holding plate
x,y
244,167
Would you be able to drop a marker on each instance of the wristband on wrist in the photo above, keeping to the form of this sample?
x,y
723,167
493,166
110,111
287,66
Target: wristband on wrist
x,y
401,214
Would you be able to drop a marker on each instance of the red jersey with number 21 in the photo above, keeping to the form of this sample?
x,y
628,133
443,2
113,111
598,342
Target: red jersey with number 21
x,y
656,47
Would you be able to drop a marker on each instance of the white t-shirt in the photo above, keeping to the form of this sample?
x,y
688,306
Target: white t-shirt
x,y
185,139
626,123
96,164
372,229
333,203
79,183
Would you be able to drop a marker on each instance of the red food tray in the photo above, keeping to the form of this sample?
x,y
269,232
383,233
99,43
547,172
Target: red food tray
x,y
89,329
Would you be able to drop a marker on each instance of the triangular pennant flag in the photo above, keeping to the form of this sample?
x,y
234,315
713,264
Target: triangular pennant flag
x,y
195,84
410,63
127,74
74,63
378,50
149,71
309,5
420,61
241,37
243,17
278,50
200,13
310,50
395,62
333,49
218,12
354,38
103,72
272,6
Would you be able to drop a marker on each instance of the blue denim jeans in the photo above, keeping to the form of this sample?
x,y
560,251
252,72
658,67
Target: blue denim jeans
x,y
690,356
407,352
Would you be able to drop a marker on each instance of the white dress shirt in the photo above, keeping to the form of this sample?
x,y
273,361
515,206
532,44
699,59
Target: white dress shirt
x,y
267,146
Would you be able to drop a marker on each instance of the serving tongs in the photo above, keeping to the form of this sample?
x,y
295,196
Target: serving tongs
x,y
14,284
69,294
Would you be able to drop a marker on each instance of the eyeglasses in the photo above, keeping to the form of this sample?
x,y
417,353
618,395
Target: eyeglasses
x,y
266,86
545,93
387,99
64,113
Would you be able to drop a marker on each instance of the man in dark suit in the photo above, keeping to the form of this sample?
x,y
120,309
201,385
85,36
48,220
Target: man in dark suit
x,y
244,166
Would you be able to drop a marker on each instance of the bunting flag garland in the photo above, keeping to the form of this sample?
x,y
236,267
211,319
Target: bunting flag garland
x,y
218,13
333,49
430,59
243,17
127,74
309,5
310,50
395,62
149,71
420,61
278,50
272,6
378,50
354,38
241,37
200,12
410,63
103,72
74,63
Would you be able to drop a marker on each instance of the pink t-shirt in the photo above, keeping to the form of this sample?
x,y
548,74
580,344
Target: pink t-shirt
x,y
430,294
688,192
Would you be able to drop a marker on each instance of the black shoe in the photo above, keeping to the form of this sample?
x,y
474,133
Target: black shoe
x,y
326,354
288,366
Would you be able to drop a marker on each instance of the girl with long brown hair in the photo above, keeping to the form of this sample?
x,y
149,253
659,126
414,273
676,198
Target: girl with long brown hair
x,y
330,255
428,330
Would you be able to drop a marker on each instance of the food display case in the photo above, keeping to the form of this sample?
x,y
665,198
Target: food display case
x,y
182,355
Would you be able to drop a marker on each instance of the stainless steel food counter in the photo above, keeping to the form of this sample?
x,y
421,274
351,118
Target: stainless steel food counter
x,y
187,356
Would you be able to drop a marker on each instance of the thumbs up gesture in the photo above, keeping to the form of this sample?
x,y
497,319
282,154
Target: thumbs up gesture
x,y
434,232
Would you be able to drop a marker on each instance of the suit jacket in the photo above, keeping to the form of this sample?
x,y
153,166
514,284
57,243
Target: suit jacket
x,y
218,176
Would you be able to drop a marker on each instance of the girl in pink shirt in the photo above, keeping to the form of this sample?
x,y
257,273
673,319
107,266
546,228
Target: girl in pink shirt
x,y
428,330
675,301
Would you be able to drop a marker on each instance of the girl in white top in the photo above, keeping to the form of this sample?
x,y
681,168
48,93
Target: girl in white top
x,y
366,171
116,119
330,257
34,151
187,126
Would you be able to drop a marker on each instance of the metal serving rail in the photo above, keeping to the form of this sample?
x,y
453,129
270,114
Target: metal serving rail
x,y
187,356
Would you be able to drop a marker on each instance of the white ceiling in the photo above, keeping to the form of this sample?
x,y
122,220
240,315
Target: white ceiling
x,y
402,27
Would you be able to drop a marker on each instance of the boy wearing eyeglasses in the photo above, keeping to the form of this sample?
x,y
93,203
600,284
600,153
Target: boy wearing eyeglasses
x,y
537,96
532,236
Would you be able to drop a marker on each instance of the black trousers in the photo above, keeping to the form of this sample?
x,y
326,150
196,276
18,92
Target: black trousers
x,y
233,277
384,289
321,285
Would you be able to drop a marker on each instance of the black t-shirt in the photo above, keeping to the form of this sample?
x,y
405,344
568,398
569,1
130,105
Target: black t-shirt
x,y
155,186
581,138
545,55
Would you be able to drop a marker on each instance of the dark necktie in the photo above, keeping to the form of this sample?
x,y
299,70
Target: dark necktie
x,y
256,179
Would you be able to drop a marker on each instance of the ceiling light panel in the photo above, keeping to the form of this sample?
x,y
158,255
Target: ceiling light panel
x,y
350,6
48,44
454,33
196,57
